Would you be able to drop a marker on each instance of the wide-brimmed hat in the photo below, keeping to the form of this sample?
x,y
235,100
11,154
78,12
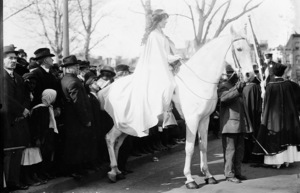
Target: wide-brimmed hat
x,y
122,67
69,61
10,49
42,53
89,78
108,69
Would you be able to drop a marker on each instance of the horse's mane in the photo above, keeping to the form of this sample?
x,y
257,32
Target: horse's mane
x,y
209,57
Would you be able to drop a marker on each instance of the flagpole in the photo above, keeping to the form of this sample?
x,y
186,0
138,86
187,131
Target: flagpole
x,y
258,56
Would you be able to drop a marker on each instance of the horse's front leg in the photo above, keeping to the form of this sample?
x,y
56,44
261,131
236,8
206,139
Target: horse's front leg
x,y
202,136
191,130
111,138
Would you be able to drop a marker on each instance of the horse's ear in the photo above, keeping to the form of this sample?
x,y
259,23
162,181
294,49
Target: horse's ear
x,y
234,34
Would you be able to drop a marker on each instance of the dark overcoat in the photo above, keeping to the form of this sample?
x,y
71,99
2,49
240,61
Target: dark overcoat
x,y
77,116
43,80
17,98
253,106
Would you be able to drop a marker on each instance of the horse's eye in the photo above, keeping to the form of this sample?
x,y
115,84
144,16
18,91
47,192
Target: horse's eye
x,y
239,49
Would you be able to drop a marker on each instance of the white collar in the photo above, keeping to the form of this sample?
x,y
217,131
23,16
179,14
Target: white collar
x,y
46,69
94,94
9,71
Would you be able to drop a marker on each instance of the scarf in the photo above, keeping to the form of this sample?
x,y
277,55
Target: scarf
x,y
48,98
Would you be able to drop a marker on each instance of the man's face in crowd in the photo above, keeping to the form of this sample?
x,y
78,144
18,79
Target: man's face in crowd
x,y
94,86
107,75
10,61
269,59
48,61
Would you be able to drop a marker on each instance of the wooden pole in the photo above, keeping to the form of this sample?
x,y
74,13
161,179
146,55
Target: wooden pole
x,y
2,102
66,29
258,59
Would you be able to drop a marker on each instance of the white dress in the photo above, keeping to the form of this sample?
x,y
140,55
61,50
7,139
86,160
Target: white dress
x,y
135,101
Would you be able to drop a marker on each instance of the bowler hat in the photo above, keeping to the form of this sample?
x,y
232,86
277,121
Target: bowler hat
x,y
10,49
269,55
42,53
108,69
278,69
69,61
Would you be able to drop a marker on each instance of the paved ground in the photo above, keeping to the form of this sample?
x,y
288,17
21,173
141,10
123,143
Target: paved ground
x,y
166,176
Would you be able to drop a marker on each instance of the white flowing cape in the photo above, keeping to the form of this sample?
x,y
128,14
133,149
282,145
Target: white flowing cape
x,y
135,101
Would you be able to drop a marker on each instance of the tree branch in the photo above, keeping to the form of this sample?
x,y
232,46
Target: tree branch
x,y
220,28
210,22
181,16
15,13
44,27
82,16
245,10
210,9
104,37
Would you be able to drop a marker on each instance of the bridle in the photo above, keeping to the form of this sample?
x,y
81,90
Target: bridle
x,y
236,62
235,59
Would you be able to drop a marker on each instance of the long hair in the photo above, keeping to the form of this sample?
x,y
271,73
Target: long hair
x,y
157,16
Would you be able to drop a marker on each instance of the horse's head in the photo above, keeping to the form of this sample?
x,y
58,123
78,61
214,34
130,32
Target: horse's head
x,y
239,56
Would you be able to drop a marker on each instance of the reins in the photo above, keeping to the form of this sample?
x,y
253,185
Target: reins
x,y
236,62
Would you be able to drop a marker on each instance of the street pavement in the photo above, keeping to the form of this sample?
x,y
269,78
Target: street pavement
x,y
166,176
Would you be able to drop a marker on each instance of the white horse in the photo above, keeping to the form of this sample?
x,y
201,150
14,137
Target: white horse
x,y
195,98
196,92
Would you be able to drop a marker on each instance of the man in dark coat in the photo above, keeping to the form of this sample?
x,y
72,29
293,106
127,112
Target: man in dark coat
x,y
233,125
77,117
16,110
42,78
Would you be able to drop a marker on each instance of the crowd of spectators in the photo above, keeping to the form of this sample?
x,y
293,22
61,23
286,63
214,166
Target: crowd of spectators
x,y
54,125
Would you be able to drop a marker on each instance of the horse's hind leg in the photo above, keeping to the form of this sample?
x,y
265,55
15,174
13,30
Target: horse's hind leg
x,y
191,130
111,138
202,136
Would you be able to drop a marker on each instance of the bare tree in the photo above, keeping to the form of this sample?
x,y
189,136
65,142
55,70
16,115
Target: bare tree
x,y
206,16
203,15
50,16
87,15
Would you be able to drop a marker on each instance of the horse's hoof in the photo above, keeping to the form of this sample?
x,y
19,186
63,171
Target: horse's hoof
x,y
112,177
211,180
192,185
120,176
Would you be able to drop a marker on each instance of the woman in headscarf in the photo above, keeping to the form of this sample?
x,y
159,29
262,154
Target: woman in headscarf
x,y
43,129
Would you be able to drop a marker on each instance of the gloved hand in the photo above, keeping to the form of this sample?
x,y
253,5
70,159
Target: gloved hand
x,y
240,86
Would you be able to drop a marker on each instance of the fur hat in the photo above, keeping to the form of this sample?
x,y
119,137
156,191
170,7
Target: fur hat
x,y
278,69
